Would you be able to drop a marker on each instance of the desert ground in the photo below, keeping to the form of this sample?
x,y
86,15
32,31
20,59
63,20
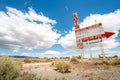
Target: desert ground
x,y
79,71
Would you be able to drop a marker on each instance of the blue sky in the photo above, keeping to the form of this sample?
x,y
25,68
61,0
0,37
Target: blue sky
x,y
59,39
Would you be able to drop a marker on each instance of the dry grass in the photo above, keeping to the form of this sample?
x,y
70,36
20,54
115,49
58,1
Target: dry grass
x,y
36,60
62,66
82,71
74,60
115,61
9,68
43,69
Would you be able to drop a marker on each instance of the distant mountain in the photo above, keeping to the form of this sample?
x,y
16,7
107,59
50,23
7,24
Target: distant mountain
x,y
16,56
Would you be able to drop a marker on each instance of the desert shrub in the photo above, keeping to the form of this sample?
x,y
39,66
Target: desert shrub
x,y
9,68
27,60
74,60
35,60
62,66
78,57
48,60
115,56
115,61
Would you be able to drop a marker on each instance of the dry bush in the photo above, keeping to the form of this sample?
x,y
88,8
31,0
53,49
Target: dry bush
x,y
74,60
26,60
47,60
115,61
35,60
9,68
62,66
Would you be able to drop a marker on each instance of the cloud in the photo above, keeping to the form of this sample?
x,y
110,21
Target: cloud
x,y
26,30
69,41
110,22
50,52
53,53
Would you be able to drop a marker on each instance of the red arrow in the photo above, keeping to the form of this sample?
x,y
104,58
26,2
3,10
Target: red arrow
x,y
108,34
105,35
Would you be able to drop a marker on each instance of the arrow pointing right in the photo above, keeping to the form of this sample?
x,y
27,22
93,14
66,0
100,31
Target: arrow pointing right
x,y
105,35
108,34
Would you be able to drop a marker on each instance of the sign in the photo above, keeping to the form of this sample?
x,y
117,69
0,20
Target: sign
x,y
91,32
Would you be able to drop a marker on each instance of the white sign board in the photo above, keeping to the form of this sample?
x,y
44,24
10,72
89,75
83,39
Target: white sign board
x,y
90,33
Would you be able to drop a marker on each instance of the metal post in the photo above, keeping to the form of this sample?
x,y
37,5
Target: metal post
x,y
81,56
102,51
83,52
90,52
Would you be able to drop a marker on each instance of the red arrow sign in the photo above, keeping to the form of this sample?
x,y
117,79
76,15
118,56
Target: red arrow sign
x,y
105,35
108,34
88,33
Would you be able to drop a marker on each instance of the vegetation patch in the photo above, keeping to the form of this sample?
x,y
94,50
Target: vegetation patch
x,y
62,67
9,68
115,61
74,60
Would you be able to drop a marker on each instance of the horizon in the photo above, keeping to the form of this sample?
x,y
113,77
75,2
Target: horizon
x,y
46,28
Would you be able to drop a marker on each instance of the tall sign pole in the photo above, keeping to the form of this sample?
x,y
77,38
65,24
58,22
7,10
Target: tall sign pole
x,y
78,39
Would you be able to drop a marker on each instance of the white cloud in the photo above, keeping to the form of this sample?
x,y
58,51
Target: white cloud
x,y
69,41
111,53
53,53
15,51
110,22
50,52
26,30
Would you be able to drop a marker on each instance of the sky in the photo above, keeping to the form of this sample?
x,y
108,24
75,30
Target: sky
x,y
45,28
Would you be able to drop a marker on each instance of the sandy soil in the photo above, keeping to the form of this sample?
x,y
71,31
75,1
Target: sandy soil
x,y
78,72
